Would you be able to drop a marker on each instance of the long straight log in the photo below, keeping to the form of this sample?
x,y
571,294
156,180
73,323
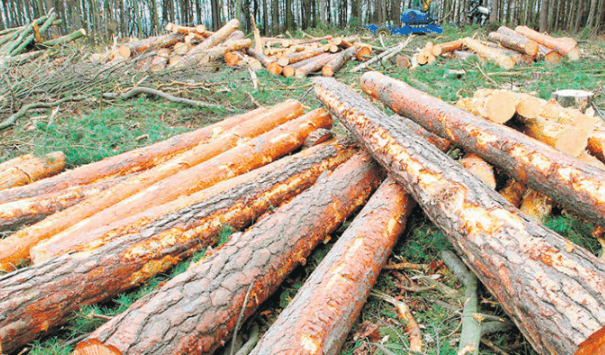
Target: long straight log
x,y
63,39
560,45
573,184
313,66
28,169
157,239
299,56
338,61
258,261
552,290
212,54
243,158
129,162
489,53
193,56
258,55
325,308
519,43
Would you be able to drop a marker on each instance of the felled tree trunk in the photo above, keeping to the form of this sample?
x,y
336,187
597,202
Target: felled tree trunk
x,y
552,290
290,69
16,247
27,169
193,56
325,308
570,140
143,45
258,55
299,56
129,162
497,106
449,47
154,242
575,185
488,53
560,45
338,61
241,275
313,66
518,44
241,159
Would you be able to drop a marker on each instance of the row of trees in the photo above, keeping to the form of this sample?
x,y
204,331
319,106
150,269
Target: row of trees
x,y
106,18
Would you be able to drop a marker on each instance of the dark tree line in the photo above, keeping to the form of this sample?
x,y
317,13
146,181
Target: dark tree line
x,y
106,18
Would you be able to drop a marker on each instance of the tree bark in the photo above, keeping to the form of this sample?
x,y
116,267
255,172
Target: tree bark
x,y
129,162
212,41
163,41
338,61
299,56
26,169
566,47
451,46
313,66
592,15
156,240
520,44
215,289
325,308
577,186
544,16
488,53
552,290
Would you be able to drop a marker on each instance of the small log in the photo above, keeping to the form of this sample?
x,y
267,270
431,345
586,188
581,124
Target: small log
x,y
338,61
237,58
570,140
325,308
290,70
518,44
548,55
480,168
580,99
299,56
561,46
314,65
63,39
160,60
402,62
274,68
364,53
235,36
242,158
174,28
449,47
318,136
543,168
528,268
193,56
488,53
536,205
181,48
277,243
258,55
513,192
497,106
28,168
157,239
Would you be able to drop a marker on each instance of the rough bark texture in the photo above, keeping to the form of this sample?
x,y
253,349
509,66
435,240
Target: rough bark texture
x,y
241,159
195,312
488,53
312,66
154,241
196,53
299,56
81,218
27,169
325,308
449,47
575,185
441,143
518,44
338,61
128,162
560,45
536,206
552,290
258,55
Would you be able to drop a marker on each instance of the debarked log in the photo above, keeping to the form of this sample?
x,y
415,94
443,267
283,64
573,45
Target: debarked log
x,y
573,184
196,312
128,254
553,290
325,308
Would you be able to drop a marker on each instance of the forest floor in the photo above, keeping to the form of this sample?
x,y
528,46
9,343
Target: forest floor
x,y
93,129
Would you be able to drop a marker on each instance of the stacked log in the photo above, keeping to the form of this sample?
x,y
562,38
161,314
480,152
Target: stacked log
x,y
28,168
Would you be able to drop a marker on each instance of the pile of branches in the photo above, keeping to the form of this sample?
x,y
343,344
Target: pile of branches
x,y
505,47
26,43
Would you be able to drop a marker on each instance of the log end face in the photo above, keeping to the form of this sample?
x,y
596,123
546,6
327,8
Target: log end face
x,y
95,347
501,107
572,141
595,344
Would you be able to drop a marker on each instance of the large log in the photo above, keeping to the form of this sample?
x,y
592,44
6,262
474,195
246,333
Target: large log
x,y
29,168
573,184
313,66
488,53
241,159
156,240
553,290
129,162
571,140
519,44
258,55
195,312
560,45
325,308
16,247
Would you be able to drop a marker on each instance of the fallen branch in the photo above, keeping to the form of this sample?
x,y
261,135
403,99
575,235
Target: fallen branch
x,y
23,111
395,49
403,311
144,90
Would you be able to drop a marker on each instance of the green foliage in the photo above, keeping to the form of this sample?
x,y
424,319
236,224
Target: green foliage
x,y
224,234
575,230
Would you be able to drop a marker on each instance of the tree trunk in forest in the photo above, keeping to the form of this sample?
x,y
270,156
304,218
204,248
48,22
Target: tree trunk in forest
x,y
152,243
592,14
277,244
575,185
216,15
325,308
517,259
495,11
544,16
26,169
275,16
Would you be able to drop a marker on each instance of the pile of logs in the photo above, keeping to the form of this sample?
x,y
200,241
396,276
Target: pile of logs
x,y
505,48
26,43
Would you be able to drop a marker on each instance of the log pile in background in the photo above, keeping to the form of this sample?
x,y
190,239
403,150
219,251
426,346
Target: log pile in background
x,y
26,43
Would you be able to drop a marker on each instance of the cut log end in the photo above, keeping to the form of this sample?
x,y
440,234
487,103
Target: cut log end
x,y
501,107
595,344
572,141
274,68
480,168
364,53
529,108
92,347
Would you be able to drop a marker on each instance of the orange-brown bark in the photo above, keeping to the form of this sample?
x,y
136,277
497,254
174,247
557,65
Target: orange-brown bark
x,y
194,55
552,290
258,55
245,157
488,53
325,308
299,56
560,45
410,126
536,206
16,247
29,168
163,41
314,65
338,61
154,241
449,47
129,162
215,289
519,44
573,184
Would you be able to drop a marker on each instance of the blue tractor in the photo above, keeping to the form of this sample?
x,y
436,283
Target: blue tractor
x,y
413,20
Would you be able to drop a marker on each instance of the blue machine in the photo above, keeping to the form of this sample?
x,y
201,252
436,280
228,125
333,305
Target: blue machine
x,y
414,21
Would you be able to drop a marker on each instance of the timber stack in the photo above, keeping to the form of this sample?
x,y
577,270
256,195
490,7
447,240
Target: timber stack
x,y
23,44
505,47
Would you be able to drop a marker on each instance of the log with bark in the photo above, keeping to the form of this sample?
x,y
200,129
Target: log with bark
x,y
312,66
238,59
290,70
193,56
16,247
129,162
242,158
571,140
155,240
526,46
449,47
325,308
338,61
28,168
560,45
488,53
196,312
258,55
128,49
497,106
553,290
63,39
299,56
573,184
